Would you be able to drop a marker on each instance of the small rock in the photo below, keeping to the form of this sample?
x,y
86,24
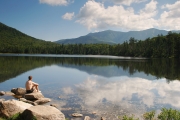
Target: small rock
x,y
77,115
54,105
65,109
9,93
93,112
2,93
87,118
13,90
22,99
42,100
102,118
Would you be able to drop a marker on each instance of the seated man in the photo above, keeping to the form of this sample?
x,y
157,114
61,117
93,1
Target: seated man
x,y
31,86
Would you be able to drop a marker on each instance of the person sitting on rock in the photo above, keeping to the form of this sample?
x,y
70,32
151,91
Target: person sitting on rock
x,y
31,86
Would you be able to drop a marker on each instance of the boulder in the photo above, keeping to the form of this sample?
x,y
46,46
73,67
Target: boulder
x,y
41,101
43,112
11,107
2,93
18,91
27,101
9,93
33,96
2,100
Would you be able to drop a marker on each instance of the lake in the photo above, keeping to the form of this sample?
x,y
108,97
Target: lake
x,y
96,86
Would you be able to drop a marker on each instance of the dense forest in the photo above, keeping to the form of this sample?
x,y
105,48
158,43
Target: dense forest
x,y
13,41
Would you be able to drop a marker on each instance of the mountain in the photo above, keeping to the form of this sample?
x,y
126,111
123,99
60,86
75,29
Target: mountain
x,y
12,37
84,40
113,37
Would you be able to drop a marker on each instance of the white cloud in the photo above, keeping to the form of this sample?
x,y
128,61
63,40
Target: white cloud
x,y
55,2
127,2
170,19
94,15
68,16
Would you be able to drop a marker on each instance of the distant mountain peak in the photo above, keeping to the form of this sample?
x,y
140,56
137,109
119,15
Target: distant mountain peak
x,y
114,37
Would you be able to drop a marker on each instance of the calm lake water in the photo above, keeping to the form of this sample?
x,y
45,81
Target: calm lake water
x,y
106,85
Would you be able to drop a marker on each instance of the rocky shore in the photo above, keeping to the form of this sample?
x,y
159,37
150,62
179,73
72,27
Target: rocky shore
x,y
31,105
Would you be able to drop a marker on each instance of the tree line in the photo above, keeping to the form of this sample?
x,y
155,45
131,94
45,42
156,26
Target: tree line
x,y
157,47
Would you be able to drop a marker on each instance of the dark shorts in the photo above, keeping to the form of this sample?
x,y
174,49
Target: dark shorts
x,y
29,91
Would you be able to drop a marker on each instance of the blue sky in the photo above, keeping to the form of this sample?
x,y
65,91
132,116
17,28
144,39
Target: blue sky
x,y
52,20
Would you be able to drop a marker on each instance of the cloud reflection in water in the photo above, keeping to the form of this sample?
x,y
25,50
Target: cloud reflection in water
x,y
130,93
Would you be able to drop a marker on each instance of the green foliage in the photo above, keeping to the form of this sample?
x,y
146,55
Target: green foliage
x,y
149,115
15,117
2,118
169,114
166,114
125,117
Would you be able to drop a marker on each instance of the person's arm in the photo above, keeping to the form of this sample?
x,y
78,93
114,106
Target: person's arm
x,y
35,84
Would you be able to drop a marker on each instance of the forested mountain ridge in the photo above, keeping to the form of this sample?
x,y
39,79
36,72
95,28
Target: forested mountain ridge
x,y
85,40
114,37
14,41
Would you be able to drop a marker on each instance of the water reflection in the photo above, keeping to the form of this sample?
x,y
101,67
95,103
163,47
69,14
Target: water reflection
x,y
126,95
12,66
108,87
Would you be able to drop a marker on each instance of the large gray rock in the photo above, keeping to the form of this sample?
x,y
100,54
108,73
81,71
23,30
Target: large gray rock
x,y
33,96
43,112
11,107
18,91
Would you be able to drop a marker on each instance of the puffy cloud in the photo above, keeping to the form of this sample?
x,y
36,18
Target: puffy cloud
x,y
55,2
68,16
95,15
149,10
170,18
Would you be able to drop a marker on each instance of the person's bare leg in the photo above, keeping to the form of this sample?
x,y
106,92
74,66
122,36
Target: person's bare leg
x,y
34,89
37,88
